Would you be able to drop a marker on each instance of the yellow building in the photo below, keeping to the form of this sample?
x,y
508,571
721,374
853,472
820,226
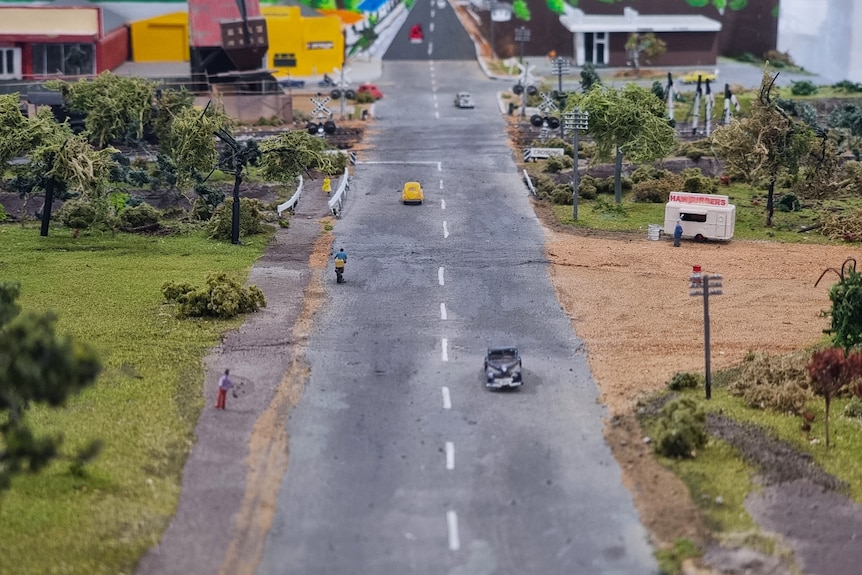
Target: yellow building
x,y
161,39
298,45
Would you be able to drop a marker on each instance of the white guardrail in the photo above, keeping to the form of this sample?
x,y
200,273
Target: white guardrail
x,y
529,183
336,202
294,199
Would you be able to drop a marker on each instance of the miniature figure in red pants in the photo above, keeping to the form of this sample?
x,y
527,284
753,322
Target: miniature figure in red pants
x,y
224,384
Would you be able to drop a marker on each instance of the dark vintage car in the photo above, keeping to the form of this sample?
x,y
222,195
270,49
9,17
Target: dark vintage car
x,y
503,367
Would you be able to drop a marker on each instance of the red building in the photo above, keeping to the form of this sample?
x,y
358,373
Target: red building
x,y
41,42
226,36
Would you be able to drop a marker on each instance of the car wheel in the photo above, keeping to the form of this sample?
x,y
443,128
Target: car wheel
x,y
699,238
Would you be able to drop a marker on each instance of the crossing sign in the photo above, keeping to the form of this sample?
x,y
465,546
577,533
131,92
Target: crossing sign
x,y
320,110
547,106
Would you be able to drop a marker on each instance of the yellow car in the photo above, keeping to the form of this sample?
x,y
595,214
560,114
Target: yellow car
x,y
412,193
691,77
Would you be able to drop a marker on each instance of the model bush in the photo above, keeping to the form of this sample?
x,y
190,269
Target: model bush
x,y
658,190
853,409
3,215
562,195
803,88
78,214
778,383
220,297
696,183
556,164
139,216
683,380
587,191
250,219
681,429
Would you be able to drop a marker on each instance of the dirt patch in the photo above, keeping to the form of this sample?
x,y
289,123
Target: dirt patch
x,y
628,299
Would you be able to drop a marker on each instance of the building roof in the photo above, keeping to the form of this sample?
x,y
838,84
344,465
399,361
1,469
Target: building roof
x,y
575,20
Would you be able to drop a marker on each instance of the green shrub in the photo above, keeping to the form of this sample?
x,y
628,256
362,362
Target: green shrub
x,y
250,220
848,86
587,191
699,184
556,164
782,58
605,206
562,195
681,429
3,215
221,297
683,380
657,190
365,98
788,203
139,216
853,409
78,214
747,58
803,88
545,186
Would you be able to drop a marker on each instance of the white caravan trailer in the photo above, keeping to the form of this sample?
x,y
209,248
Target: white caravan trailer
x,y
704,216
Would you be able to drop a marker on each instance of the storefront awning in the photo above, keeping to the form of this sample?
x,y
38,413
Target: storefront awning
x,y
575,20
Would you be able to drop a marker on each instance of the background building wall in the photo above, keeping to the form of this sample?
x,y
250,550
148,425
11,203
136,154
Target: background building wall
x,y
316,43
161,39
819,35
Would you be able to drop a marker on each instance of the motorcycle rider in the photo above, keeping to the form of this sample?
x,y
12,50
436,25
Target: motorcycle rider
x,y
340,261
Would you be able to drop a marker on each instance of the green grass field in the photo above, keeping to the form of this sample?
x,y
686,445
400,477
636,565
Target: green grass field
x,y
105,290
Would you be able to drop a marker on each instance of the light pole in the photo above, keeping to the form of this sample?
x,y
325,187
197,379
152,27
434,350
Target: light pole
x,y
575,121
705,285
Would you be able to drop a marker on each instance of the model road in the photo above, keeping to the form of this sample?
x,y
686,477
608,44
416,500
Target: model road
x,y
400,460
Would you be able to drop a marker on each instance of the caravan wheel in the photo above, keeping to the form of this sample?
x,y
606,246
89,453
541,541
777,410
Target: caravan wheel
x,y
699,238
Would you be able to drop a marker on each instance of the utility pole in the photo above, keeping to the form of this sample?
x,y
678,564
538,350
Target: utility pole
x,y
559,67
522,36
575,121
701,284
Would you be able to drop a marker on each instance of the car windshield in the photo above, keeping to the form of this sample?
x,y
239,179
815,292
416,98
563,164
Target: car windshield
x,y
502,354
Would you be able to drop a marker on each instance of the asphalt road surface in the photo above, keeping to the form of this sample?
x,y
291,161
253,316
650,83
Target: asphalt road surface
x,y
400,460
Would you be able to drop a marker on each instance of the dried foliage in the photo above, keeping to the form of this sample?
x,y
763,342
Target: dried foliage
x,y
192,141
289,155
221,297
116,107
837,226
775,382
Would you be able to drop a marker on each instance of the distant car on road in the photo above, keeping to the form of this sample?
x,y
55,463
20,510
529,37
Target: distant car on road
x,y
503,367
416,34
464,100
370,89
290,83
691,77
412,193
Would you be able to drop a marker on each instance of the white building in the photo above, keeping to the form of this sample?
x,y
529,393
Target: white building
x,y
819,36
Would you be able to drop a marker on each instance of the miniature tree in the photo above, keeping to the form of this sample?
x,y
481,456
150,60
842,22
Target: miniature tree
x,y
646,47
830,371
766,144
37,366
628,121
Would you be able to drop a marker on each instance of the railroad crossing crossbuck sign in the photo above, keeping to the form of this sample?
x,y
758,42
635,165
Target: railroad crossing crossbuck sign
x,y
547,106
320,110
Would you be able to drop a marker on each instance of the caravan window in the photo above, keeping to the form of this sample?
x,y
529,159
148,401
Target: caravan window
x,y
688,217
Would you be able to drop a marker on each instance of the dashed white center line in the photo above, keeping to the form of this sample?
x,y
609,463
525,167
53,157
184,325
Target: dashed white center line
x,y
441,184
444,344
439,166
430,48
452,521
445,230
442,204
450,455
443,311
440,276
447,401
431,26
437,115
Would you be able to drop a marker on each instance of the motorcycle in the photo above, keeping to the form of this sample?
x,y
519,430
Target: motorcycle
x,y
339,271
